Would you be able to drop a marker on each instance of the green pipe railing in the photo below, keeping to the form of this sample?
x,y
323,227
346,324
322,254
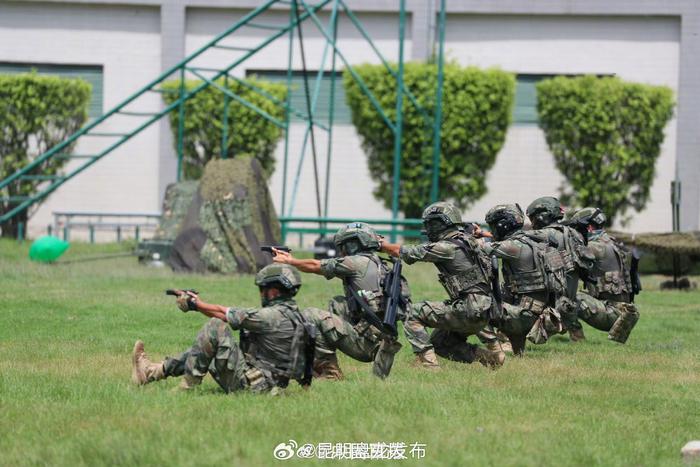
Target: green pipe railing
x,y
329,225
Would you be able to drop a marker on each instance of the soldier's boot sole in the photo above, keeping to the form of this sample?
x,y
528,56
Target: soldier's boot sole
x,y
577,335
328,369
489,358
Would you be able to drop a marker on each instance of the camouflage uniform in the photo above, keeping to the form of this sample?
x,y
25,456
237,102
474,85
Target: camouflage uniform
x,y
276,342
529,302
545,214
264,359
606,303
352,333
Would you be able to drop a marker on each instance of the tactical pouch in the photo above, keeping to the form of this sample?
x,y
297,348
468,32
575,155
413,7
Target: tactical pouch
x,y
525,282
457,285
255,379
613,282
530,304
547,323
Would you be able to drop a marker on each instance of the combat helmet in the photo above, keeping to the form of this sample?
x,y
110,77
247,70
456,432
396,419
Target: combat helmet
x,y
588,216
544,211
277,274
439,218
505,219
356,237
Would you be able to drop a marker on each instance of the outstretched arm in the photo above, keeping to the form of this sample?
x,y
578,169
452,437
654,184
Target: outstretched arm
x,y
392,249
304,265
189,301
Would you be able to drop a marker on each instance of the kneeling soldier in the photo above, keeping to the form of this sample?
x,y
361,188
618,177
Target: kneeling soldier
x,y
607,302
363,273
276,341
465,275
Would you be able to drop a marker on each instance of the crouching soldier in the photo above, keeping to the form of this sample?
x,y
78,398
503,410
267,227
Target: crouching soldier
x,y
277,343
533,274
464,272
545,213
358,333
606,303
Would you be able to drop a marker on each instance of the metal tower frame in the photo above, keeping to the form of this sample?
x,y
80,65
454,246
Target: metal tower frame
x,y
299,11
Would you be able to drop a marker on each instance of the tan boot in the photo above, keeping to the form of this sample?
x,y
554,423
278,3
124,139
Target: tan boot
x,y
622,328
577,335
143,370
427,359
490,358
328,368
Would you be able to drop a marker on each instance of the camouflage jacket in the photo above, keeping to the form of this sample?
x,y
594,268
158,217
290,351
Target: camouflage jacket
x,y
364,272
270,338
460,260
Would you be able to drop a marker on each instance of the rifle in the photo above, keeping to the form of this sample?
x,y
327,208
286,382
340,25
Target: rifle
x,y
268,248
370,315
634,273
392,292
497,307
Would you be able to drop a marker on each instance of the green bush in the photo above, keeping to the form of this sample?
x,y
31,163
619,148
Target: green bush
x,y
36,113
476,113
248,132
606,136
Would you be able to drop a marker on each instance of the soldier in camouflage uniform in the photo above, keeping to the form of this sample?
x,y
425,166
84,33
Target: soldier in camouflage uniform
x,y
529,308
346,327
464,272
276,341
607,302
545,214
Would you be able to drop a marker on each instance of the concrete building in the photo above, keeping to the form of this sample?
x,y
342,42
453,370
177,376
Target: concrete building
x,y
120,45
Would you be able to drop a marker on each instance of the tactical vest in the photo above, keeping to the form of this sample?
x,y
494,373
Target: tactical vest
x,y
547,275
300,353
567,250
612,271
469,272
368,287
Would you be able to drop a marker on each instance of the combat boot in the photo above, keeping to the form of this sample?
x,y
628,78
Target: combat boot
x,y
427,359
622,327
143,370
491,358
577,335
328,368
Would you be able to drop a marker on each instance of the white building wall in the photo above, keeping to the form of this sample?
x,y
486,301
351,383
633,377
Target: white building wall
x,y
641,49
126,42
351,187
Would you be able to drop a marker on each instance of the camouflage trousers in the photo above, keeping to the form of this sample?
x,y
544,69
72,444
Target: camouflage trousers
x,y
453,321
215,351
361,341
524,321
600,314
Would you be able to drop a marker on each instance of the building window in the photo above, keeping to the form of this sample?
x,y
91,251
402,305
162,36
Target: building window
x,y
525,108
90,73
341,112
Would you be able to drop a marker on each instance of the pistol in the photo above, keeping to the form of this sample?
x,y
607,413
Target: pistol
x,y
268,248
175,291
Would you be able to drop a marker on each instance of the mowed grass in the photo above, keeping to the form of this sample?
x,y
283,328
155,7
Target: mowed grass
x,y
66,334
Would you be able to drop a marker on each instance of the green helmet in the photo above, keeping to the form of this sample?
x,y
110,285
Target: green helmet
x,y
588,216
356,237
544,211
504,219
283,275
440,217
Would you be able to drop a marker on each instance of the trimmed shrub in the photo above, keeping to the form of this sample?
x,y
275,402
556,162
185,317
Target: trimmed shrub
x,y
606,136
477,107
248,132
36,113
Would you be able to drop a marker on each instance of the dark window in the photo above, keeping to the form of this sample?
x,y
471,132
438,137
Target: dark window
x,y
341,112
90,73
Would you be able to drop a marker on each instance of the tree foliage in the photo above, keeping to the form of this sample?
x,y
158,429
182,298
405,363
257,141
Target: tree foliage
x,y
477,108
606,136
248,132
36,113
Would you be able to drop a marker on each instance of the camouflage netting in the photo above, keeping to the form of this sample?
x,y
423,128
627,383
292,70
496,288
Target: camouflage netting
x,y
230,216
178,197
684,243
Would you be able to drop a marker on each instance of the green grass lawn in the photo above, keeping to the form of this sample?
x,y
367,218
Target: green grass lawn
x,y
66,334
